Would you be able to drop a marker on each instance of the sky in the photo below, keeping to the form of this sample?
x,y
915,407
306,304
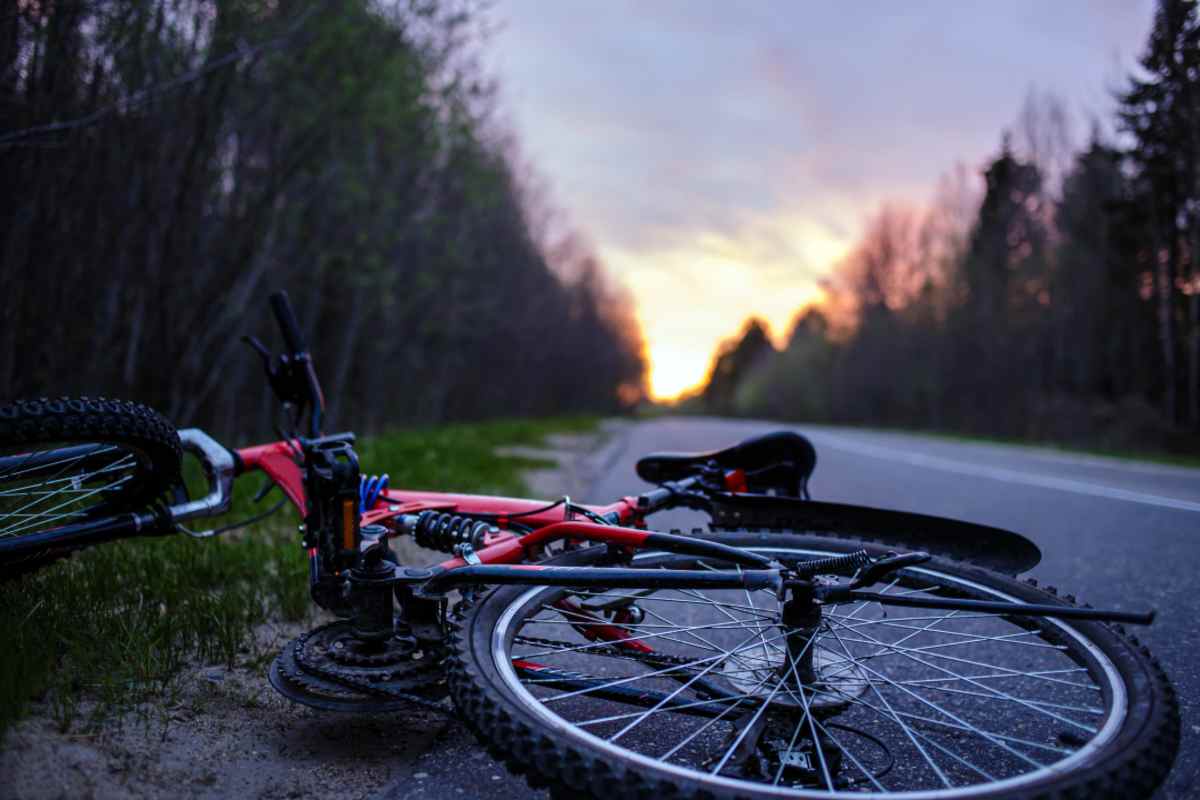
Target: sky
x,y
721,157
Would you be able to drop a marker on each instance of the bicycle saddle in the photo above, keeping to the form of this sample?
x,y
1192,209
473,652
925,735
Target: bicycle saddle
x,y
783,460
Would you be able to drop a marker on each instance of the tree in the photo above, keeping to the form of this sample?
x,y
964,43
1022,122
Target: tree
x,y
354,165
1006,284
1037,310
1097,311
736,358
1161,109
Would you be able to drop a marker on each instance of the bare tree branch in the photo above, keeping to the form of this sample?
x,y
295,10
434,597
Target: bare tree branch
x,y
244,52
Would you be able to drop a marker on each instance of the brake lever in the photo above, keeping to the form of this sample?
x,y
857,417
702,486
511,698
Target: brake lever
x,y
259,348
280,374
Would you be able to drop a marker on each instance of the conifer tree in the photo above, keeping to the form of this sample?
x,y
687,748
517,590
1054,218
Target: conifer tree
x,y
1161,109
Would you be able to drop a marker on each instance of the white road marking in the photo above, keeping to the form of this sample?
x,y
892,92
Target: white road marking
x,y
1002,474
1101,462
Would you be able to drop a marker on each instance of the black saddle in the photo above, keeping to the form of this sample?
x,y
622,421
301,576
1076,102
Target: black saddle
x,y
782,460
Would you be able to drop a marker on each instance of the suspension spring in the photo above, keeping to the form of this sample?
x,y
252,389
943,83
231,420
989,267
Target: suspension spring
x,y
442,531
834,565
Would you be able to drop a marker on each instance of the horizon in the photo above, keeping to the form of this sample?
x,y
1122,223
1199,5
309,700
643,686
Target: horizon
x,y
615,121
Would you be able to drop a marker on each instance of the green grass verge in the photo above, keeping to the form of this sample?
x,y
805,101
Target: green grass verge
x,y
115,624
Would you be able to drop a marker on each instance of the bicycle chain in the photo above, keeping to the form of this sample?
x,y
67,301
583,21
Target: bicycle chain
x,y
321,680
315,678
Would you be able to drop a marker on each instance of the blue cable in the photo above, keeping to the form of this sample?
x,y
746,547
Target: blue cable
x,y
369,489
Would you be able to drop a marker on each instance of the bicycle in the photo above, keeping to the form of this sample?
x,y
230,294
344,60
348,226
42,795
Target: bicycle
x,y
796,648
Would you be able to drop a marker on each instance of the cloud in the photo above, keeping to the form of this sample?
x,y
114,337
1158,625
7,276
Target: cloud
x,y
731,151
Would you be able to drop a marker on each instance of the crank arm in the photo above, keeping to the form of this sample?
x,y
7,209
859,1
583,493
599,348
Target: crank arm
x,y
838,594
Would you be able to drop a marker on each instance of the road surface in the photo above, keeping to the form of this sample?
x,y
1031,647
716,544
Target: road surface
x,y
1116,533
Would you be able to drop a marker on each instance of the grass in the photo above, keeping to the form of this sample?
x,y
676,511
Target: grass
x,y
114,625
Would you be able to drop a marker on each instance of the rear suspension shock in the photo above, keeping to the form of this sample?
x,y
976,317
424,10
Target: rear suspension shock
x,y
443,532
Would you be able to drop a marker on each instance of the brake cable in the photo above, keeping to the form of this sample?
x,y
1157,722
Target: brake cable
x,y
240,523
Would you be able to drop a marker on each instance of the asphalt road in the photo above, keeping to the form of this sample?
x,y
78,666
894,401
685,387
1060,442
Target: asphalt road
x,y
1115,533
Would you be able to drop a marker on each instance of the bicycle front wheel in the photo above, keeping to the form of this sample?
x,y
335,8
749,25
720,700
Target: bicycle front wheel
x,y
702,692
67,461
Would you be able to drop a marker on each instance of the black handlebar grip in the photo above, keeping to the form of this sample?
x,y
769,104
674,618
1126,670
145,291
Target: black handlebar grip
x,y
287,322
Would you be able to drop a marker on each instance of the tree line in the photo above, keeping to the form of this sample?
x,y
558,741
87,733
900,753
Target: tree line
x,y
169,163
1061,302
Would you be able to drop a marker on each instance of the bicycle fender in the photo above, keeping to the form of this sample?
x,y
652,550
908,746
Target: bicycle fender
x,y
993,548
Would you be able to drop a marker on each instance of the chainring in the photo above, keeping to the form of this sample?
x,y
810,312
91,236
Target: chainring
x,y
331,669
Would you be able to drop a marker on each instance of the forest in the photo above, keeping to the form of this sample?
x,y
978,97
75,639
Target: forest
x,y
168,164
1057,299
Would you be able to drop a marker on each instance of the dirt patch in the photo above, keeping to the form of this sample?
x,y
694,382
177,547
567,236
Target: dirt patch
x,y
224,732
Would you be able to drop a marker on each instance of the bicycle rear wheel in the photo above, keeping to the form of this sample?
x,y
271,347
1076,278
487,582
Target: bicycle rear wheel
x,y
707,695
67,461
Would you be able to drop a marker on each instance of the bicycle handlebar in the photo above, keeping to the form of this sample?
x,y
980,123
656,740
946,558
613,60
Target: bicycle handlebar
x,y
219,468
297,367
288,324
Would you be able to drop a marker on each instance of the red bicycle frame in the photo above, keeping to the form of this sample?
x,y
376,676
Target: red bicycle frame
x,y
505,556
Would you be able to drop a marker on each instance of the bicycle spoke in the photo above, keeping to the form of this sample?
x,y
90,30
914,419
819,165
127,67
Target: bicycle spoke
x,y
758,713
683,687
806,716
1010,675
74,481
66,462
667,756
948,690
996,693
937,770
67,479
664,671
706,644
928,650
594,645
828,732
714,701
723,611
1011,638
934,743
982,734
46,515
940,723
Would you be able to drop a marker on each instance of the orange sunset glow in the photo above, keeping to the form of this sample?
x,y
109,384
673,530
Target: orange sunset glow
x,y
694,294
